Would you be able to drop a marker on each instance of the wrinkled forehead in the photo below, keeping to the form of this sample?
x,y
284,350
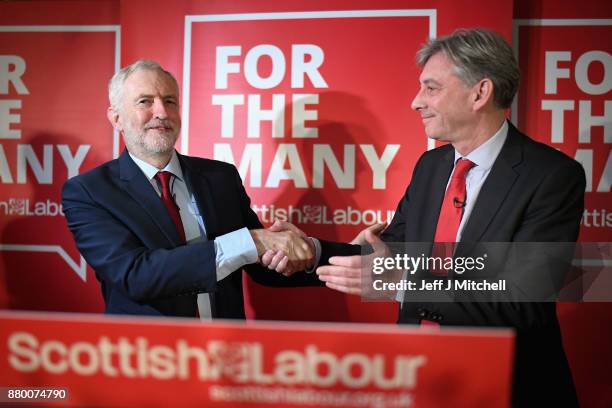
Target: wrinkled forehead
x,y
150,82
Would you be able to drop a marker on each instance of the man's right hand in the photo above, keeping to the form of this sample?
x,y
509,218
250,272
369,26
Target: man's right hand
x,y
279,261
285,249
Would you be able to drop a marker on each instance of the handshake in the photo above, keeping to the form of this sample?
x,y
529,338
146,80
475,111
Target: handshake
x,y
287,249
284,248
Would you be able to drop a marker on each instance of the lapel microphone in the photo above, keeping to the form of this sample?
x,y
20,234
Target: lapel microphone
x,y
458,203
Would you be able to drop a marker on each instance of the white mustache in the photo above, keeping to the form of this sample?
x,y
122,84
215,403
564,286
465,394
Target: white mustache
x,y
165,125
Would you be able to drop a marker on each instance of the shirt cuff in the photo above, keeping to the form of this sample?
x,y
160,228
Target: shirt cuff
x,y
317,245
233,251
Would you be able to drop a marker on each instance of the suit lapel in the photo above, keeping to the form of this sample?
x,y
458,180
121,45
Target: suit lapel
x,y
200,185
495,188
431,211
136,184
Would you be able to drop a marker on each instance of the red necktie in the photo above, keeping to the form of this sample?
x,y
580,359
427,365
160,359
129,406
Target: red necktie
x,y
450,219
173,210
452,206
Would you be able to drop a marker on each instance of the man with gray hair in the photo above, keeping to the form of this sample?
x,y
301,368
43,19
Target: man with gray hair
x,y
167,234
490,183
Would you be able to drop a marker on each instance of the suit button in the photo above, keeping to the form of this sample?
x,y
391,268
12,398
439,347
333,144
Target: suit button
x,y
436,317
422,313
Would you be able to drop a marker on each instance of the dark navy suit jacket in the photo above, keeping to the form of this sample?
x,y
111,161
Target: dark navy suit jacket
x,y
124,232
532,194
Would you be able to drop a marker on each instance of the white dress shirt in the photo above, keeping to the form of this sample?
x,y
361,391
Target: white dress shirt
x,y
483,157
232,250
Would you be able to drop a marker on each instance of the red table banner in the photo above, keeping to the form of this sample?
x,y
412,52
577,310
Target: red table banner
x,y
104,361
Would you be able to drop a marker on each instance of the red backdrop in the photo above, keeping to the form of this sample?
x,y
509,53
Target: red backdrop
x,y
317,118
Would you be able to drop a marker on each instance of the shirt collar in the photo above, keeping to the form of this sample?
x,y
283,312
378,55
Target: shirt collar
x,y
173,166
484,155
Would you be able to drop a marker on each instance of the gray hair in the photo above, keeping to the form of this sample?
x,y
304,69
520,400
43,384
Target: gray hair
x,y
478,54
115,85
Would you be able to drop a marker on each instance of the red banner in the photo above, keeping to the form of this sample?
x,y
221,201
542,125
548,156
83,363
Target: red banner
x,y
153,362
564,101
565,63
52,128
300,116
343,74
